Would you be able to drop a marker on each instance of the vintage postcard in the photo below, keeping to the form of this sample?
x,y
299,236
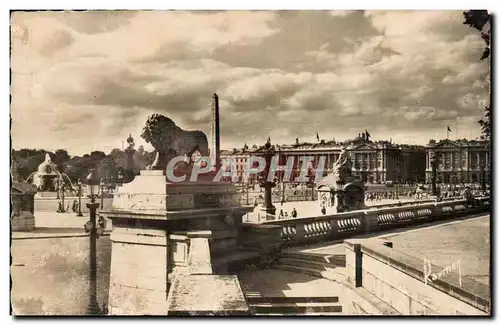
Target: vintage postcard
x,y
250,163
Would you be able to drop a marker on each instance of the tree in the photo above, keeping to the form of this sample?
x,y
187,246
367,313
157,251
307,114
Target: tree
x,y
61,158
77,168
481,20
26,161
108,169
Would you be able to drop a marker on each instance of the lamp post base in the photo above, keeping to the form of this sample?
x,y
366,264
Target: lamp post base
x,y
269,210
93,309
79,214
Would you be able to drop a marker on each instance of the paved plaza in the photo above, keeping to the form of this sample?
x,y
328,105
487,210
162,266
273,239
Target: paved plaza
x,y
52,224
50,275
50,204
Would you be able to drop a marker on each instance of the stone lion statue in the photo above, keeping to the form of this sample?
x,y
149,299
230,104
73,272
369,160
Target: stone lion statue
x,y
170,141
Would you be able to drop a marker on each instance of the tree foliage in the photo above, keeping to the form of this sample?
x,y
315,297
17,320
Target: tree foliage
x,y
26,161
481,21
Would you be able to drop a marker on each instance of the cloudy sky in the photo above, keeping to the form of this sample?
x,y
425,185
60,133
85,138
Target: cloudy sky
x,y
84,80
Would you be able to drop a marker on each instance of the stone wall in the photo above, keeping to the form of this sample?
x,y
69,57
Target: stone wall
x,y
138,279
397,280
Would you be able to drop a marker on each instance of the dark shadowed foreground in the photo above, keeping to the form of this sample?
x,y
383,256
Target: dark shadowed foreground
x,y
49,276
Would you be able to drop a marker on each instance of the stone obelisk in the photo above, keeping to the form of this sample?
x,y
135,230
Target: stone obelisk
x,y
215,148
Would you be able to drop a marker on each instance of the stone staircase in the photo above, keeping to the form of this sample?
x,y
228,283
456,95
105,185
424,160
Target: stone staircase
x,y
293,306
331,267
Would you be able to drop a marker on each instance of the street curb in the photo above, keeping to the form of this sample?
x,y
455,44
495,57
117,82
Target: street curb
x,y
54,236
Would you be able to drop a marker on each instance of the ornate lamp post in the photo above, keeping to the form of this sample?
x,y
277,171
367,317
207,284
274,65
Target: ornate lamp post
x,y
310,184
130,151
58,187
119,177
79,183
101,188
90,226
434,174
269,208
62,195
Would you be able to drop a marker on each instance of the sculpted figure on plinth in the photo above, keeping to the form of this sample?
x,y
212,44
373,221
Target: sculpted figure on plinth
x,y
44,178
170,141
343,165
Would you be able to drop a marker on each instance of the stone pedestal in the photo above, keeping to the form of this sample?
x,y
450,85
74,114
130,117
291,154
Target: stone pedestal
x,y
153,225
23,206
23,221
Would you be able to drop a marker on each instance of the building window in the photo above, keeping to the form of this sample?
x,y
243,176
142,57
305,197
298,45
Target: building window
x,y
447,161
456,160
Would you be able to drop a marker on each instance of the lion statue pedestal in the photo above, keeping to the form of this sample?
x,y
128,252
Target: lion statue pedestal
x,y
155,222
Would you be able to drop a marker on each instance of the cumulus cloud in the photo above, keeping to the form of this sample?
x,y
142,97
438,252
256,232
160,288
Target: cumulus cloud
x,y
84,80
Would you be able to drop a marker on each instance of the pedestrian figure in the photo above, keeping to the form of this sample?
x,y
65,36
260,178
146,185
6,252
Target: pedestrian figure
x,y
59,207
286,215
294,213
75,206
281,214
323,210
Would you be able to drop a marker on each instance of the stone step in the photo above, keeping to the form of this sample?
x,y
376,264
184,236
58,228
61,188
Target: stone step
x,y
294,314
321,266
257,298
334,274
299,269
295,308
237,257
335,259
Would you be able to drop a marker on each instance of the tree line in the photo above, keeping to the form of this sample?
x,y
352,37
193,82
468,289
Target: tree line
x,y
26,161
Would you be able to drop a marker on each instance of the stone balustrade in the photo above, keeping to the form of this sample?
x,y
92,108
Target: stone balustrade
x,y
348,224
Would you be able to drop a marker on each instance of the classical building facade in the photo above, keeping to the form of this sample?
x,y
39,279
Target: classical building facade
x,y
458,161
373,162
